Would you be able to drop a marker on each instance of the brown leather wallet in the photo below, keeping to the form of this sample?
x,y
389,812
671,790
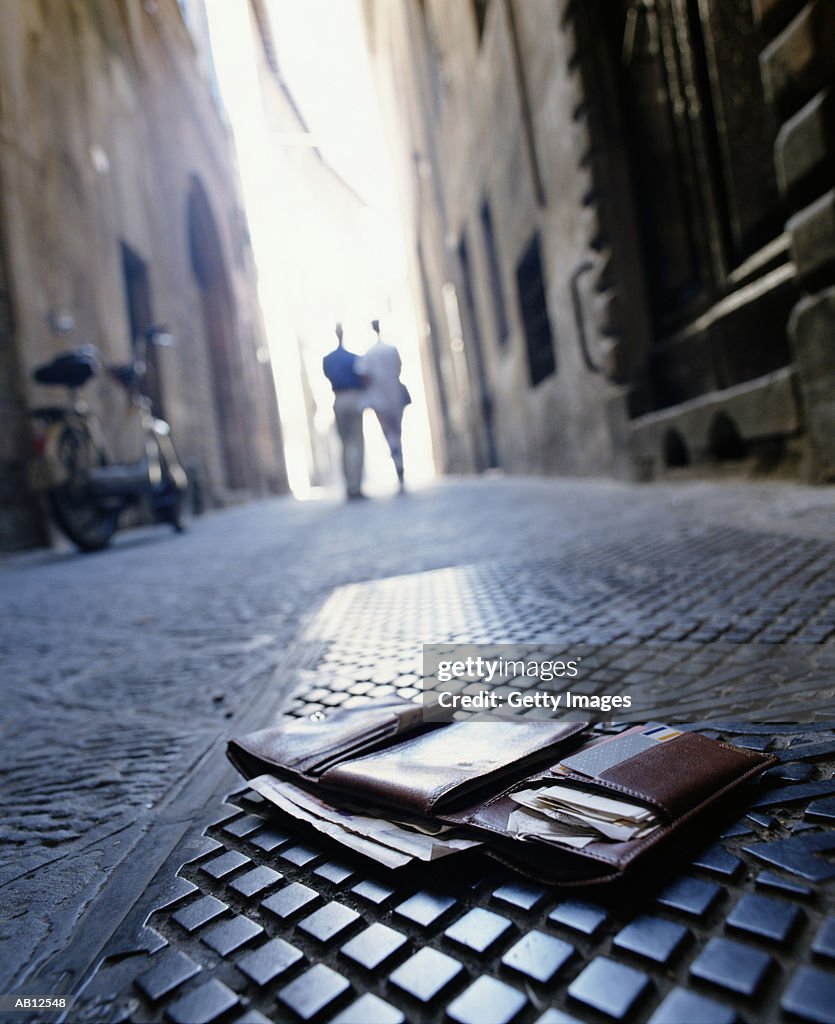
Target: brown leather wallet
x,y
385,757
308,746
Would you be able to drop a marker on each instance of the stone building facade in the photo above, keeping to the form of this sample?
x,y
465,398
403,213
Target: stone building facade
x,y
622,220
120,207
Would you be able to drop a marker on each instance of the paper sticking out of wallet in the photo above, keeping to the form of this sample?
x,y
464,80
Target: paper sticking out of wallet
x,y
576,812
391,843
526,824
572,816
595,760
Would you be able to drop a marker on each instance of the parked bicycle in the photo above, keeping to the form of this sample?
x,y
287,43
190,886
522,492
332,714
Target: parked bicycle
x,y
86,490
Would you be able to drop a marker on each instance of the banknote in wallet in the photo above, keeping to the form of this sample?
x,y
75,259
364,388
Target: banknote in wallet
x,y
391,843
603,817
529,824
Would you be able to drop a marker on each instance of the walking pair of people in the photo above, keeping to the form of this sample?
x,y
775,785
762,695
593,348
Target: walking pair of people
x,y
365,382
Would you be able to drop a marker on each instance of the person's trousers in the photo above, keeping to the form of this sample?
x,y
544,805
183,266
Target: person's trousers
x,y
391,420
347,409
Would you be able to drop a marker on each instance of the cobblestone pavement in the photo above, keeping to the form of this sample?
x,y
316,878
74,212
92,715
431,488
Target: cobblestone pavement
x,y
124,671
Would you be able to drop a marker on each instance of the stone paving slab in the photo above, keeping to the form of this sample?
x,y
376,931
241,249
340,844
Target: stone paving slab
x,y
123,672
740,931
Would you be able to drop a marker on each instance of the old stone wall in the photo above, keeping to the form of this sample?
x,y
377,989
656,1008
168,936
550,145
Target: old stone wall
x,y
622,223
117,178
493,153
798,70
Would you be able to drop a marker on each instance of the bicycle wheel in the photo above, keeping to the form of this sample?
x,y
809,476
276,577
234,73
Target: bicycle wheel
x,y
172,496
74,507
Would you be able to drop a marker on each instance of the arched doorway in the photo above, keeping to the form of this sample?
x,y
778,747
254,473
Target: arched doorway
x,y
219,324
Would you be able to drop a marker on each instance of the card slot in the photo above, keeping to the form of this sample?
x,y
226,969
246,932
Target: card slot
x,y
749,765
611,858
670,777
680,774
493,815
598,862
672,781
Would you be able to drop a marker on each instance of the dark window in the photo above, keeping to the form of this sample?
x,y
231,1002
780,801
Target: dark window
x,y
480,11
496,290
140,318
534,310
487,456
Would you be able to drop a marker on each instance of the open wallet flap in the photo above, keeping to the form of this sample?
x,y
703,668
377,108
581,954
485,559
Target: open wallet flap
x,y
308,746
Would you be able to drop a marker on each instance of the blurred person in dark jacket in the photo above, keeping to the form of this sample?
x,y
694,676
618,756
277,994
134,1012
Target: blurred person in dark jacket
x,y
339,367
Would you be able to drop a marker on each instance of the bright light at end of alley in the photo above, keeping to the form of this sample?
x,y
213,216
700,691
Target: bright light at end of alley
x,y
323,219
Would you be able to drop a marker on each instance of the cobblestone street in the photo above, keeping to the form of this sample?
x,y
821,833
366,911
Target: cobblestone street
x,y
125,672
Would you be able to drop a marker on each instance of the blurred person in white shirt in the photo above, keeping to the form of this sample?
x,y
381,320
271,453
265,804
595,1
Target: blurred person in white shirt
x,y
386,394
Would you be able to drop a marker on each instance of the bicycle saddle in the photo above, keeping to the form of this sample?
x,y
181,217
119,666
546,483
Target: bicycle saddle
x,y
72,369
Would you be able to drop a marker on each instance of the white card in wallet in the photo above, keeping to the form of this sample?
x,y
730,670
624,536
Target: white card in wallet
x,y
597,759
